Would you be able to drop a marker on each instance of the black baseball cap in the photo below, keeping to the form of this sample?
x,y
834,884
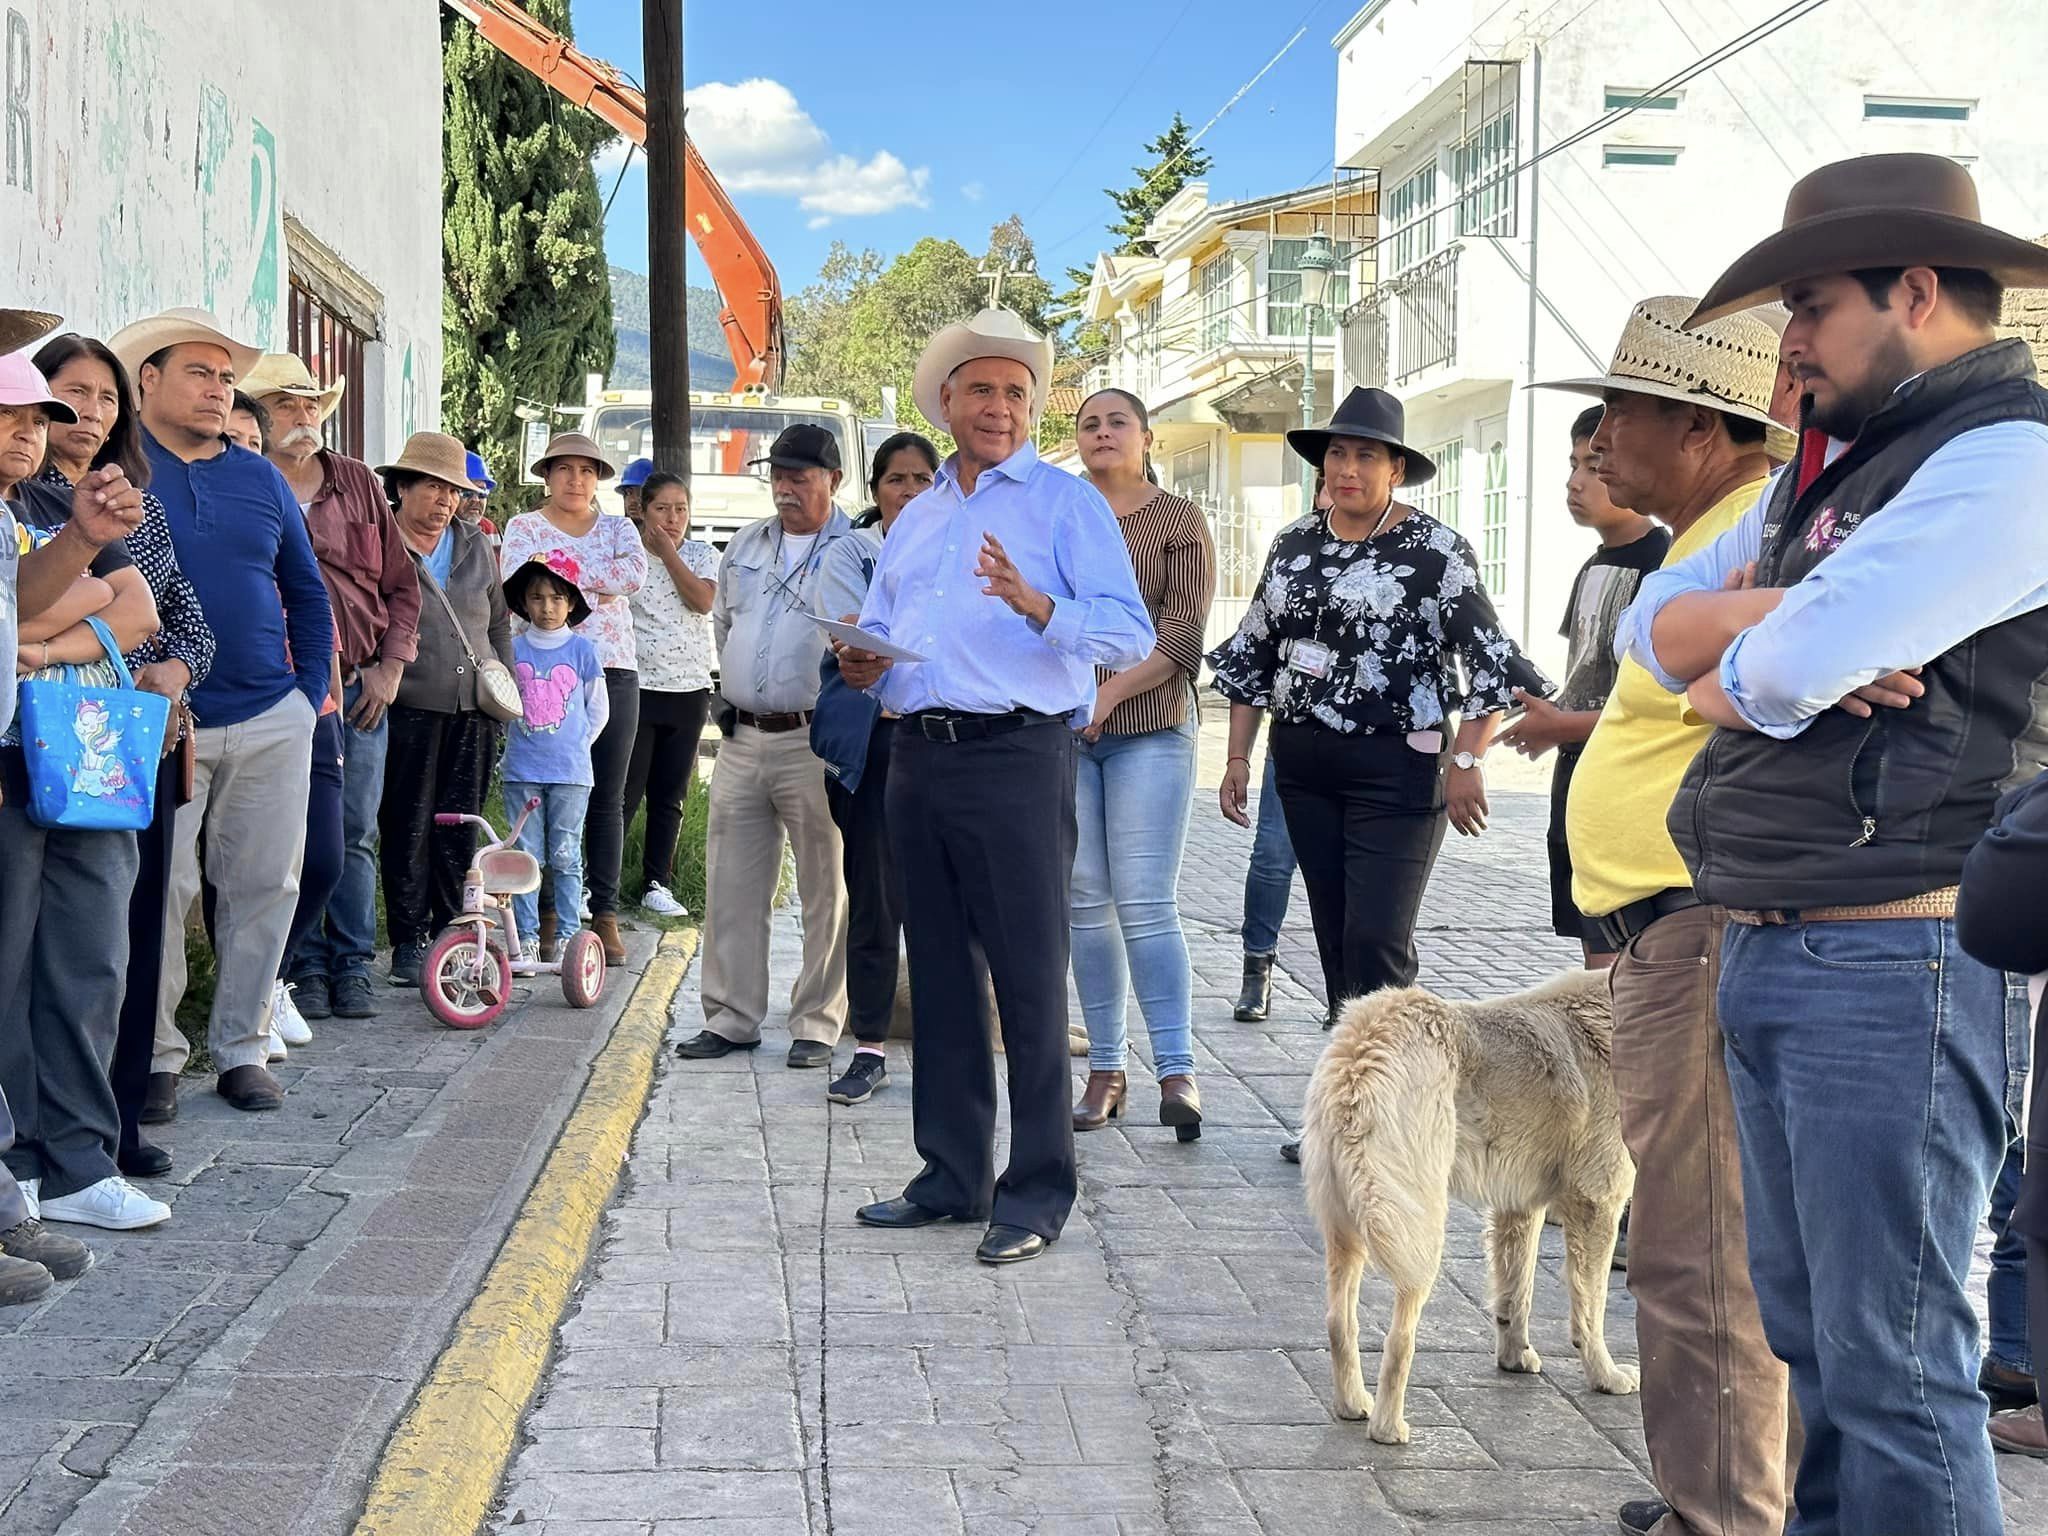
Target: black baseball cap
x,y
804,446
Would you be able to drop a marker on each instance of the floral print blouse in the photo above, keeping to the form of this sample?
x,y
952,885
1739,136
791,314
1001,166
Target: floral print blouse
x,y
1392,611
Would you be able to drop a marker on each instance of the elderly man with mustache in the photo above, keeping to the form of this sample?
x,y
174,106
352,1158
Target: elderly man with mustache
x,y
376,597
768,785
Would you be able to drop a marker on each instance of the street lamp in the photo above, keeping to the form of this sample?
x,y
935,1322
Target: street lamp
x,y
1318,268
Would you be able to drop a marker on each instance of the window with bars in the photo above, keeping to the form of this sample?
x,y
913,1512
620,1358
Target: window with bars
x,y
1411,216
332,349
1493,523
1439,496
1212,286
1484,166
1283,289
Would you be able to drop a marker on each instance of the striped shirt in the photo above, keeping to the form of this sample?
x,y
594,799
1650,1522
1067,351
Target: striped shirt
x,y
1175,563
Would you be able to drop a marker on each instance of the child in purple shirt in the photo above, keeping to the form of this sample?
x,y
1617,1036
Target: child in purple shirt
x,y
561,683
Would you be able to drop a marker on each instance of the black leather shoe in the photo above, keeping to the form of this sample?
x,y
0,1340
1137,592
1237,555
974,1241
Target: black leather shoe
x,y
1291,1151
1640,1517
1009,1245
160,1099
349,997
899,1212
706,1046
144,1160
311,996
809,1053
1257,995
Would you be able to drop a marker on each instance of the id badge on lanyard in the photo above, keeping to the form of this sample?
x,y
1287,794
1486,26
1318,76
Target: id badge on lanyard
x,y
1311,658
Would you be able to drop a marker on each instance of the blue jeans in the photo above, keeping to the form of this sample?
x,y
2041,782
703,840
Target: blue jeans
x,y
2005,1290
553,834
1868,1066
1269,878
1131,796
344,943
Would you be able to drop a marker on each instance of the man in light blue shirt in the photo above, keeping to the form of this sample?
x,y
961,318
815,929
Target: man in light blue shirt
x,y
1011,579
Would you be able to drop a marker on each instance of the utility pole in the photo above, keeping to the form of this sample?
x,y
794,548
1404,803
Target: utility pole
x,y
668,293
994,276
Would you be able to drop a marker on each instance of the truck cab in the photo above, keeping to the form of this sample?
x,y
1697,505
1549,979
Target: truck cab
x,y
728,431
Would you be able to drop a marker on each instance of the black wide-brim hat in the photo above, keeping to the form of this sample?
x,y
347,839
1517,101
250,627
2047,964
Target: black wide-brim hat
x,y
1368,413
559,564
1900,210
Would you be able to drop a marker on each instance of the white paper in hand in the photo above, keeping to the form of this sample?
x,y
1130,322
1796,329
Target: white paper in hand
x,y
854,635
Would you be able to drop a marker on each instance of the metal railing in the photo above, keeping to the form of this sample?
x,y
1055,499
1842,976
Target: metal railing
x,y
1404,326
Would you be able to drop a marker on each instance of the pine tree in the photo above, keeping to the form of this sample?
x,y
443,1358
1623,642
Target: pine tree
x,y
1175,162
527,308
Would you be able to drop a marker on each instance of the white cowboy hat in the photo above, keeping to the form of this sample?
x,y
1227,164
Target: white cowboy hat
x,y
136,344
281,373
1729,365
992,333
23,327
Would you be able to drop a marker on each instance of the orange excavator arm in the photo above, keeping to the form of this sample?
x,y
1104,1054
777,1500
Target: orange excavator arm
x,y
746,278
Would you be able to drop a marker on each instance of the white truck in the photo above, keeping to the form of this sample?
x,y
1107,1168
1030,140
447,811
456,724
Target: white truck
x,y
727,432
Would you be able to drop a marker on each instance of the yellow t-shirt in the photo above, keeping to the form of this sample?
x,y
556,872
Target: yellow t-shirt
x,y
1634,763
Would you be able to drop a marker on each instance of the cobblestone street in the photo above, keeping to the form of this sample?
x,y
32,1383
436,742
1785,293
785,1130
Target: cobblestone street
x,y
747,1360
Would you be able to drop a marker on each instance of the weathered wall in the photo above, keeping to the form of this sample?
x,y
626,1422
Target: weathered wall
x,y
2026,314
153,149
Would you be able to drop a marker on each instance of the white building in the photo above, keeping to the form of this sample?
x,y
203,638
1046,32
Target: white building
x,y
1485,282
1211,334
279,165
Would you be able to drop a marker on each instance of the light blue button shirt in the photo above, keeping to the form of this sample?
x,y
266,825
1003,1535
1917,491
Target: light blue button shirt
x,y
1963,546
984,658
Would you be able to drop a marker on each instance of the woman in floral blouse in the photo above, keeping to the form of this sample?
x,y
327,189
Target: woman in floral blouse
x,y
1350,643
607,549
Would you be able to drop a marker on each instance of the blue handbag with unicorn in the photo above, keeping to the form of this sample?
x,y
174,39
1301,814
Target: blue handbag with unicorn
x,y
92,748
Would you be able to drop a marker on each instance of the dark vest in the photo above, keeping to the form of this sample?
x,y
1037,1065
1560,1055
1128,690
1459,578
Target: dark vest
x,y
1853,812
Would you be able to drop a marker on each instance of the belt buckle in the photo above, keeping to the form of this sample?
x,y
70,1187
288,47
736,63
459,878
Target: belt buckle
x,y
933,725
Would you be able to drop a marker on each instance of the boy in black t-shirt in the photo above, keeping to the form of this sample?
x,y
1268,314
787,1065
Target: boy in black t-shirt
x,y
1631,546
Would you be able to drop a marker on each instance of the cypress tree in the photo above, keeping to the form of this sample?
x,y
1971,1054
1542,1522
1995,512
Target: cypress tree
x,y
526,309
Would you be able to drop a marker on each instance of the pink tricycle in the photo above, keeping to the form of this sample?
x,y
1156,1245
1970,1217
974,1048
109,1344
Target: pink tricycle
x,y
467,977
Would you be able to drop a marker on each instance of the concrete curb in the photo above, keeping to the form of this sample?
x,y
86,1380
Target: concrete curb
x,y
440,1470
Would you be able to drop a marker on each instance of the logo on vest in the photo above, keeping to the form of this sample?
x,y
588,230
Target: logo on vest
x,y
1827,531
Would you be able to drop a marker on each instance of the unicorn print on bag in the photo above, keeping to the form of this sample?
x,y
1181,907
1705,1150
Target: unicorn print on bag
x,y
100,772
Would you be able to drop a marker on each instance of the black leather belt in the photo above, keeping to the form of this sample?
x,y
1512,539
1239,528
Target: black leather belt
x,y
1619,927
954,725
774,723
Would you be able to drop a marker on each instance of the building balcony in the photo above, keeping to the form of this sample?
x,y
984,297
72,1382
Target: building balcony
x,y
1405,326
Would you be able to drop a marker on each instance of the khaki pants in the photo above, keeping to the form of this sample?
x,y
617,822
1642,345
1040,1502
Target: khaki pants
x,y
249,798
1714,1396
768,785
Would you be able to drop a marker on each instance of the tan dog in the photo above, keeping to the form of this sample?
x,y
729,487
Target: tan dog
x,y
1508,1105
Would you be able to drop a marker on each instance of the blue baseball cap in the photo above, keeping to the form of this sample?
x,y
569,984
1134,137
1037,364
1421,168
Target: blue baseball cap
x,y
478,473
636,473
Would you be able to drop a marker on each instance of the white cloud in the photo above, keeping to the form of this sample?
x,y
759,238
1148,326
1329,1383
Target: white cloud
x,y
607,161
758,139
973,191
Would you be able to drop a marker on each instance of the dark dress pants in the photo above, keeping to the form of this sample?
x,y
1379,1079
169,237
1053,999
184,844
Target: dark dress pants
x,y
874,893
984,833
1366,816
135,1036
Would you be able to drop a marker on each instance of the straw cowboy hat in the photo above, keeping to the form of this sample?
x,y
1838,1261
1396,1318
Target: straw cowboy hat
x,y
24,327
1875,211
436,455
281,373
992,333
1729,365
136,344
1368,413
573,445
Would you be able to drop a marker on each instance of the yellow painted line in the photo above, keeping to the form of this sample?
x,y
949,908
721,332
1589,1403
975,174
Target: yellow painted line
x,y
440,1471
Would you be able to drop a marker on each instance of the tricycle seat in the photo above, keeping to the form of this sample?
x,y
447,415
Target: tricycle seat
x,y
509,871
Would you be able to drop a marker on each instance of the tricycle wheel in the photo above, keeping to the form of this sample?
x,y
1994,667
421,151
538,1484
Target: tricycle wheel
x,y
583,969
466,985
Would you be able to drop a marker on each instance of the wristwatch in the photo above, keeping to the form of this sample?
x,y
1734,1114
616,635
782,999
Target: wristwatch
x,y
1464,760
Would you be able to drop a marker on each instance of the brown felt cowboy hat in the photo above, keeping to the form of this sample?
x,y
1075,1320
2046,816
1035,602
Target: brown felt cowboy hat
x,y
1875,211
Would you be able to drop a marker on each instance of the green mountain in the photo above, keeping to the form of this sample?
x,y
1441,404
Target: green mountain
x,y
710,362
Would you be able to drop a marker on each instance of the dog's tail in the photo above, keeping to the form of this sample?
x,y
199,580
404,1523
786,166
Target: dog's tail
x,y
1379,1129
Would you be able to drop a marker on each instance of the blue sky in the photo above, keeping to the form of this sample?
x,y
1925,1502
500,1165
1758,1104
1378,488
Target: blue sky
x,y
878,124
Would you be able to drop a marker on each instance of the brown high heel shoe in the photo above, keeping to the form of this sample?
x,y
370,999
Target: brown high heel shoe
x,y
1180,1106
1101,1101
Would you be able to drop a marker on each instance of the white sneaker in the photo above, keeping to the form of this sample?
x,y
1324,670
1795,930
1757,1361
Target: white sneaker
x,y
30,1189
583,911
112,1203
277,1051
661,904
285,1020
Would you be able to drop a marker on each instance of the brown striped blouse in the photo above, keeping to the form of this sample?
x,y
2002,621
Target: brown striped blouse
x,y
1175,563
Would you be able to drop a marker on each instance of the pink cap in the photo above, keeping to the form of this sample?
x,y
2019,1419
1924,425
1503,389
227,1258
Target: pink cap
x,y
22,383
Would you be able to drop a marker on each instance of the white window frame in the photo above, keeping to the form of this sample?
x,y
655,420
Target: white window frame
x,y
1918,109
1411,219
1639,157
1640,99
1493,521
1283,315
1439,497
1483,167
1214,281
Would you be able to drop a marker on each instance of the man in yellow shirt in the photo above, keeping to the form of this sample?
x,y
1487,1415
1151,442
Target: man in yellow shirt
x,y
1686,438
